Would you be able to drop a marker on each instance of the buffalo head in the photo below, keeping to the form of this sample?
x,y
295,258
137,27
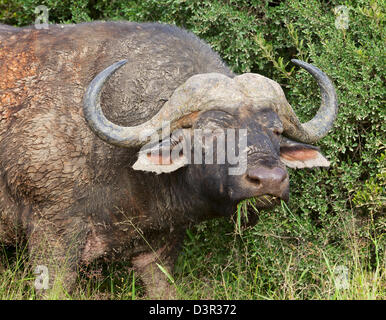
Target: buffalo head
x,y
234,137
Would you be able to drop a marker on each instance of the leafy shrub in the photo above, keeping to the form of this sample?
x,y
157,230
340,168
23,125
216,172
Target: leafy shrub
x,y
262,36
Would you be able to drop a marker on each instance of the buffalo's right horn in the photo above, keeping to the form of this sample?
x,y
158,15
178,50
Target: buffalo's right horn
x,y
195,94
102,127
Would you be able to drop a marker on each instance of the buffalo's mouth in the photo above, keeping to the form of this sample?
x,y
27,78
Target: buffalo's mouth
x,y
266,201
251,206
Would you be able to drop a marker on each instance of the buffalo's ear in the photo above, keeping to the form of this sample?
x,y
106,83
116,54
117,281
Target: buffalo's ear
x,y
162,157
299,155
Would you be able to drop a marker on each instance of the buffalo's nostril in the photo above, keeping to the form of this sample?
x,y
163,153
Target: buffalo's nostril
x,y
253,178
267,176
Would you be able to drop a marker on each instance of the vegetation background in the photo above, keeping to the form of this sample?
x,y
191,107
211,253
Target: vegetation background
x,y
330,242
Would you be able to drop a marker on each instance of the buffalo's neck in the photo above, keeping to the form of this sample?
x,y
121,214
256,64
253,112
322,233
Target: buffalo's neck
x,y
148,200
152,210
166,199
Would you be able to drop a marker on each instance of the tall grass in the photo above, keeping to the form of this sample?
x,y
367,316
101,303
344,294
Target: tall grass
x,y
282,257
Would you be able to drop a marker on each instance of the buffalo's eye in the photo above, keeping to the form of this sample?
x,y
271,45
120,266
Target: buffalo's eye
x,y
277,131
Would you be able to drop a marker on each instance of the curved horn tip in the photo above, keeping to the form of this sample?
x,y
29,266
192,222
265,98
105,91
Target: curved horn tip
x,y
322,122
121,62
310,68
115,66
300,63
295,61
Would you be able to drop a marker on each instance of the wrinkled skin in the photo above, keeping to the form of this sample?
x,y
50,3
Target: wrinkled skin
x,y
76,198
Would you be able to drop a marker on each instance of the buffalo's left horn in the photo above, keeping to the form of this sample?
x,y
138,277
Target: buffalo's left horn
x,y
318,127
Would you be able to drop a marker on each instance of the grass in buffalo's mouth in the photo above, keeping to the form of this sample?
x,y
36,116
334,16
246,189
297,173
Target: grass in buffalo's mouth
x,y
251,205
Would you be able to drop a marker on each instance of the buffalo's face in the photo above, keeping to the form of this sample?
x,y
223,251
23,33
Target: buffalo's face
x,y
255,167
231,135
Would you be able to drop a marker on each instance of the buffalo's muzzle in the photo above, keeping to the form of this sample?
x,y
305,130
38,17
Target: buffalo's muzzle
x,y
273,181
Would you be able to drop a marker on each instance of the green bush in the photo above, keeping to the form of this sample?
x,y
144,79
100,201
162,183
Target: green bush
x,y
262,36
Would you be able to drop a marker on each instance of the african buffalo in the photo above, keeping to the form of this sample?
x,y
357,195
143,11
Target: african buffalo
x,y
82,177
